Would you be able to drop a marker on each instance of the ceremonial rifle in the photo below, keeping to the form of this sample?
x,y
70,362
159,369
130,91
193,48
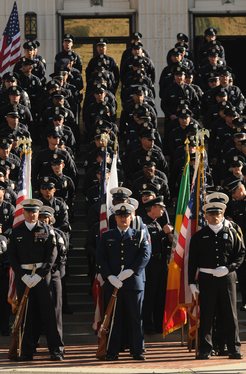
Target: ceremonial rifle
x,y
12,355
105,327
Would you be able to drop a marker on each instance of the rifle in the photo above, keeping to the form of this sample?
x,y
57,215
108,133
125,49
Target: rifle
x,y
12,354
104,328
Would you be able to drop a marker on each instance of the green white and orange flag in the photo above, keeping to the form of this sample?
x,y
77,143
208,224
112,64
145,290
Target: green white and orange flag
x,y
174,314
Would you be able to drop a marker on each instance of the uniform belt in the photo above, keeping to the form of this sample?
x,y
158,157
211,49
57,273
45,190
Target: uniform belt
x,y
207,270
31,266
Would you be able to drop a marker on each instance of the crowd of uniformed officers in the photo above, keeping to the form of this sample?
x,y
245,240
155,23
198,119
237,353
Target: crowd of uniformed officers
x,y
133,255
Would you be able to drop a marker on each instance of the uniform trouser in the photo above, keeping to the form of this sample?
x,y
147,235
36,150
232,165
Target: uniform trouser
x,y
218,294
128,315
5,308
40,311
241,276
154,296
56,285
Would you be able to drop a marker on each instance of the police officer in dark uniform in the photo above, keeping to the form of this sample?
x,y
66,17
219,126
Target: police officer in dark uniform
x,y
156,270
42,166
6,211
47,196
46,215
218,251
4,286
32,252
6,157
122,256
67,51
104,60
11,80
236,211
13,105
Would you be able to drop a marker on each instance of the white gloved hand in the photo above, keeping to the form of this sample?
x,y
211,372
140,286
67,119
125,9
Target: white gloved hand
x,y
115,281
36,279
27,279
220,271
194,290
125,274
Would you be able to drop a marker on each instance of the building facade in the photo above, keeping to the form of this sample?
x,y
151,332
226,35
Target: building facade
x,y
158,20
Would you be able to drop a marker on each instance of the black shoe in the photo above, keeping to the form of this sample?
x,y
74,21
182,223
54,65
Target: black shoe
x,y
235,356
111,357
25,358
139,357
243,308
203,356
222,352
56,357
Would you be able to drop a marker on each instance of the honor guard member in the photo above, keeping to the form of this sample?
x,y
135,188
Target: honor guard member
x,y
119,195
102,59
46,215
156,270
47,196
32,253
67,51
122,256
4,286
217,250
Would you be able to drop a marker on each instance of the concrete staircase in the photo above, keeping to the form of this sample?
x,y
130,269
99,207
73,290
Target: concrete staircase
x,y
78,326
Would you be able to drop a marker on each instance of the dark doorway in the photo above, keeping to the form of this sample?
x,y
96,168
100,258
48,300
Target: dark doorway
x,y
232,35
234,50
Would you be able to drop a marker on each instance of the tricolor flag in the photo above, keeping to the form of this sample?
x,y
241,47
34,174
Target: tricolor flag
x,y
174,315
10,46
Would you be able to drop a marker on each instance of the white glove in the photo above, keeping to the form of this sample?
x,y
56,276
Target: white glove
x,y
36,279
220,271
115,281
194,290
27,279
125,274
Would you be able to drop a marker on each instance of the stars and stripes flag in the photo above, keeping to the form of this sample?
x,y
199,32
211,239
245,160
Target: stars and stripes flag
x,y
103,196
103,227
24,189
24,192
10,44
112,183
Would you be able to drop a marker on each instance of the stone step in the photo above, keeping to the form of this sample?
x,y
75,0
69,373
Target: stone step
x,y
79,233
81,306
78,279
80,297
78,317
78,242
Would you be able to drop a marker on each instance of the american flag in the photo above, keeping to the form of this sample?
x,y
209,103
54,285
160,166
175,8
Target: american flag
x,y
103,196
10,47
24,184
24,192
